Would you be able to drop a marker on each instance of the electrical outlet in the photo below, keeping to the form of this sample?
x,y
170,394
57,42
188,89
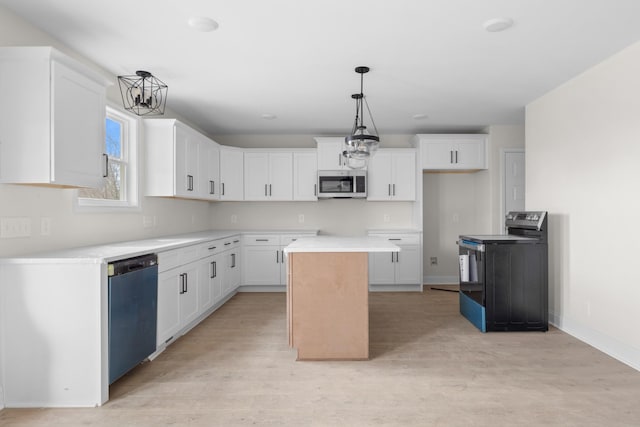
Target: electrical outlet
x,y
45,226
15,227
386,218
234,218
147,221
433,260
301,218
456,218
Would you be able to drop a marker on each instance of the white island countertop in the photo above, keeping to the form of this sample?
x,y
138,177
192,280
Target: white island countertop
x,y
341,244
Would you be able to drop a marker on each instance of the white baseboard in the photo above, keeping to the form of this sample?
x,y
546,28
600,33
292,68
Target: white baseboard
x,y
606,344
440,280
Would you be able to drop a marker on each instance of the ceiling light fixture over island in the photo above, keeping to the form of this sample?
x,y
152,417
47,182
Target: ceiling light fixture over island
x,y
328,296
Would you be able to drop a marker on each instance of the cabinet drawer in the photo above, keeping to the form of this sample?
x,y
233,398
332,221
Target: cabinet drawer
x,y
261,240
286,239
230,242
400,239
168,260
212,247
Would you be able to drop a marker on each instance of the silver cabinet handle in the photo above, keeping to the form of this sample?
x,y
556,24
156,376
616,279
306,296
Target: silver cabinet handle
x,y
456,156
315,189
394,239
451,156
394,189
233,260
270,190
213,270
212,187
223,188
262,240
211,248
277,257
183,279
265,190
106,165
189,182
389,190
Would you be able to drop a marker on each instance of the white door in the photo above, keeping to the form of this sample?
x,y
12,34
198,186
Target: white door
x,y
168,305
379,177
231,174
382,268
408,265
189,293
262,265
514,182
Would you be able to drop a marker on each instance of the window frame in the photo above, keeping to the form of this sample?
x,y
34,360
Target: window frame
x,y
130,157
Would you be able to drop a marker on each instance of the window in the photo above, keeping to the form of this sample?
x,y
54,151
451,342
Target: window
x,y
119,187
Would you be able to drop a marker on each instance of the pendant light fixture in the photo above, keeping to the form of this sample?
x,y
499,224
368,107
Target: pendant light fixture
x,y
360,145
143,94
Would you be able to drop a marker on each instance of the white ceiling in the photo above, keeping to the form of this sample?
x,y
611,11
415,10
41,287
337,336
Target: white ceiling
x,y
296,59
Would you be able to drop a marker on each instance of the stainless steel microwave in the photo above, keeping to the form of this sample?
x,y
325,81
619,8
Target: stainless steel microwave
x,y
342,184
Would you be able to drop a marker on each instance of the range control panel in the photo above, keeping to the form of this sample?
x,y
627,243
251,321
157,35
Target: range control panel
x,y
529,219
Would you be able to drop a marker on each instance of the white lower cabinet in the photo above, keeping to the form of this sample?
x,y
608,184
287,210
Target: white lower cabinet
x,y
397,268
231,264
264,260
177,299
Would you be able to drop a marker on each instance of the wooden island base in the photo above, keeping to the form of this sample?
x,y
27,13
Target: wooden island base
x,y
328,305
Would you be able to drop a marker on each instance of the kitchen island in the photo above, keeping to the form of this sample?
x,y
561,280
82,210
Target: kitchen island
x,y
328,296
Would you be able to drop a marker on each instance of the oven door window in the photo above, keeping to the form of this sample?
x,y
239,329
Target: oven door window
x,y
336,184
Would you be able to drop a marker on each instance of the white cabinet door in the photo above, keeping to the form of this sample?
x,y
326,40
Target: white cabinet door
x,y
453,151
408,265
231,173
268,176
209,168
206,273
305,176
381,268
392,175
404,176
169,284
470,153
189,293
231,277
216,277
330,153
281,176
262,265
53,113
186,162
437,155
379,176
256,176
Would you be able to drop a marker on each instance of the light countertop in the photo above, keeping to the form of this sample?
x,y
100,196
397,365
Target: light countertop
x,y
120,250
341,244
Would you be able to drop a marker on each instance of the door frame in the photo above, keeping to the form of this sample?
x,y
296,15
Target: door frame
x,y
503,177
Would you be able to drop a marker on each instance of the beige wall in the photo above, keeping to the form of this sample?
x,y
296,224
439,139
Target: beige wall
x,y
582,165
463,203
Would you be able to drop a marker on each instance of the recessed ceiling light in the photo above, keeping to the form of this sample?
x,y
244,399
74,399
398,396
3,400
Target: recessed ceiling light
x,y
203,24
267,116
419,116
497,24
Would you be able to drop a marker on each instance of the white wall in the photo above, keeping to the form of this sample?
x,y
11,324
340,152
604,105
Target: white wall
x,y
582,165
463,203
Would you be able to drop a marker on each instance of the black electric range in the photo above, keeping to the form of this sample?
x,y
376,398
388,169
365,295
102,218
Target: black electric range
x,y
504,278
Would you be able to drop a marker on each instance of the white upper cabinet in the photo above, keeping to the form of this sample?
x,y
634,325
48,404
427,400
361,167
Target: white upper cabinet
x,y
53,113
330,153
231,173
305,175
392,175
181,162
268,175
442,152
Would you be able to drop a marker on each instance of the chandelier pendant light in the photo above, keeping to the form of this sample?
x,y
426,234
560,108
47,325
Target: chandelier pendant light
x,y
361,144
143,94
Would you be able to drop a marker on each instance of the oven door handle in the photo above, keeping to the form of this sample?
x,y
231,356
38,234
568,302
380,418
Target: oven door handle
x,y
479,247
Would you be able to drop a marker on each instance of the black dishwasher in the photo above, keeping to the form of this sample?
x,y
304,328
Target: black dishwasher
x,y
133,312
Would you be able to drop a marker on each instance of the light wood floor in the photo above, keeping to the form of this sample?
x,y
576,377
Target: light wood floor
x,y
429,367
